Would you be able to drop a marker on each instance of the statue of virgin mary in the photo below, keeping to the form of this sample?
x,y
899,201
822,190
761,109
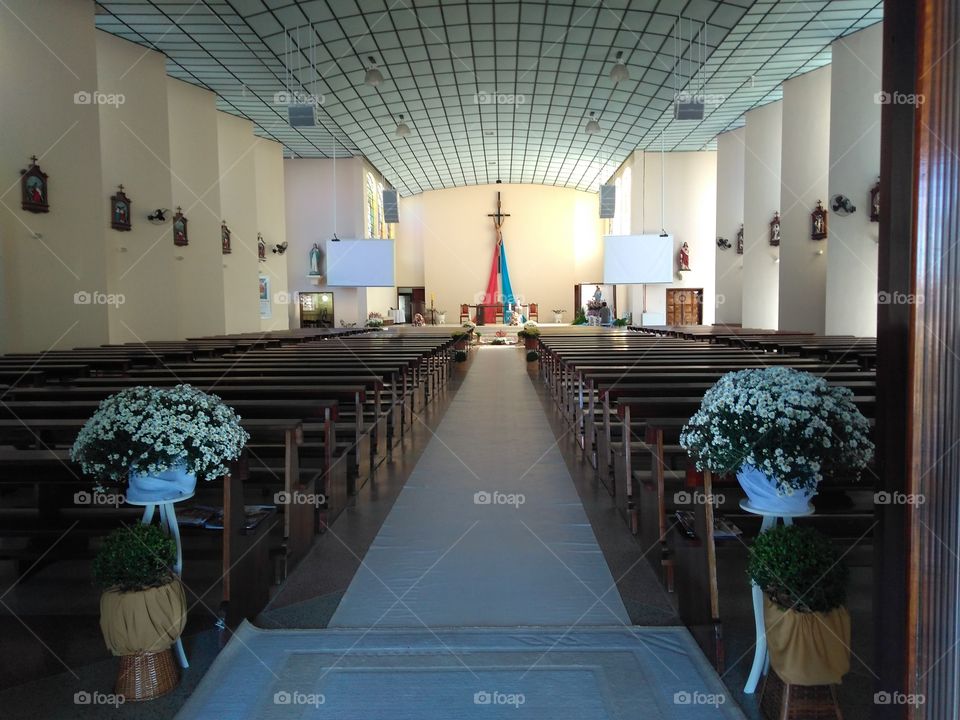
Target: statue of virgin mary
x,y
315,259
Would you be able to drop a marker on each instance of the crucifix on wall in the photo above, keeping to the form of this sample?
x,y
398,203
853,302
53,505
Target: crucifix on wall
x,y
487,310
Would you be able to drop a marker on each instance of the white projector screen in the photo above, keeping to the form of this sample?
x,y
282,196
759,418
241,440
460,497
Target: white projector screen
x,y
360,263
636,259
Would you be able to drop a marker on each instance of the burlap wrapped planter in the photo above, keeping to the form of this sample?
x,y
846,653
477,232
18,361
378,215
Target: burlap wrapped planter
x,y
143,621
808,648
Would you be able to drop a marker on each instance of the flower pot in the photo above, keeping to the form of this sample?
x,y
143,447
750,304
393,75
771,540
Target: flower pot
x,y
171,485
441,318
143,621
765,496
461,343
558,318
531,343
808,648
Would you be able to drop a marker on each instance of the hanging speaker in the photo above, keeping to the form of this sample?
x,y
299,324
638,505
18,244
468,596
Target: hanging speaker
x,y
608,201
391,212
301,116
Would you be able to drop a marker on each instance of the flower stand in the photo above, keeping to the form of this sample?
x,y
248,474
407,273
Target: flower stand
x,y
783,701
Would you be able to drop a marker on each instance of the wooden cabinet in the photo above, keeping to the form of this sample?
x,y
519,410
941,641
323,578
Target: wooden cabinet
x,y
684,306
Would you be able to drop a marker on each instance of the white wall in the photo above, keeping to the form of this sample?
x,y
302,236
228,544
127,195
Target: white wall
x,y
804,169
730,163
238,205
322,197
851,298
761,200
689,214
135,151
551,239
272,222
195,181
39,276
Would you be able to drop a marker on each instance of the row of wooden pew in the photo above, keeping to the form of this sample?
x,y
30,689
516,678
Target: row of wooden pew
x,y
324,409
627,396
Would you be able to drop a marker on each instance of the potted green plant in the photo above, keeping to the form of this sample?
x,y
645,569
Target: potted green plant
x,y
580,318
374,321
532,356
460,356
461,338
143,608
804,582
558,316
530,335
159,441
781,431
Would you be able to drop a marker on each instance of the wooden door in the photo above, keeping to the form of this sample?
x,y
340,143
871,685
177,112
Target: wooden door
x,y
684,306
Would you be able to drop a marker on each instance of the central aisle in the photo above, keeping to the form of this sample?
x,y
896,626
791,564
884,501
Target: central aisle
x,y
489,530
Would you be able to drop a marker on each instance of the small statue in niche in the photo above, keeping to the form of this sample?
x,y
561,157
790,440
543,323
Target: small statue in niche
x,y
225,238
120,210
261,248
740,240
875,202
33,188
818,222
775,230
684,257
180,229
315,259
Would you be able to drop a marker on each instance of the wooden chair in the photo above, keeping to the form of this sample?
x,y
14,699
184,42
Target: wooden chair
x,y
533,312
464,313
498,318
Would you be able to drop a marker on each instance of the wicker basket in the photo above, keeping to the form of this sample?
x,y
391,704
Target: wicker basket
x,y
147,675
780,701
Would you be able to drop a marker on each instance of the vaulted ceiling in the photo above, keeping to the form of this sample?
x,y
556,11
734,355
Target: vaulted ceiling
x,y
490,89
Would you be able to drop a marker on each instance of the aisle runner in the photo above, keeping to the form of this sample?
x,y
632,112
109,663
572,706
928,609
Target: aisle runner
x,y
488,536
489,529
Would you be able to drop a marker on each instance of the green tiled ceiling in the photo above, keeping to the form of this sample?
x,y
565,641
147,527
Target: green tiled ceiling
x,y
439,58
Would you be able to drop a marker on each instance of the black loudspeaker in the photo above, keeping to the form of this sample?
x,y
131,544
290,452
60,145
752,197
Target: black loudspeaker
x,y
302,115
391,211
688,108
608,201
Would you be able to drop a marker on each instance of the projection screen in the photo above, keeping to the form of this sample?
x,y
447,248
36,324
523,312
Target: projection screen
x,y
360,263
636,259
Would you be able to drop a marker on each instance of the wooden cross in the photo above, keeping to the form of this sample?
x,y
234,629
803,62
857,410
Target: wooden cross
x,y
120,187
33,159
498,216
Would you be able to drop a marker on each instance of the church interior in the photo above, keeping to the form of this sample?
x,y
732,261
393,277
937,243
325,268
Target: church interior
x,y
479,359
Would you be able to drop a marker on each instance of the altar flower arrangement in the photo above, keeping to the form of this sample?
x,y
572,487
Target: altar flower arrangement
x,y
150,430
791,427
374,320
530,330
469,326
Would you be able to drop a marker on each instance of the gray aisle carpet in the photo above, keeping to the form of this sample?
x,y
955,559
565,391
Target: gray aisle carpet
x,y
484,593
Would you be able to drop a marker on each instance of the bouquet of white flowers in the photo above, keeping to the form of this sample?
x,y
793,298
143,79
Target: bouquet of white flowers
x,y
374,320
148,430
789,425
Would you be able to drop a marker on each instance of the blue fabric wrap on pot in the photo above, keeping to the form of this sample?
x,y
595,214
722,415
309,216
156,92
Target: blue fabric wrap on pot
x,y
767,497
171,485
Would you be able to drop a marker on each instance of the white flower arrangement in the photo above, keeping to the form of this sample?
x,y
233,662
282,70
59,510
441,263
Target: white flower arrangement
x,y
375,320
469,326
149,430
792,426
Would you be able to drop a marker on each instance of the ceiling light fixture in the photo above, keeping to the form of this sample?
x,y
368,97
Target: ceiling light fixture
x,y
592,127
619,72
403,130
374,77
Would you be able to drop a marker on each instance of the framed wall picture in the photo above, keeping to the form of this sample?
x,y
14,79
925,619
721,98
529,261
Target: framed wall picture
x,y
225,238
818,222
265,311
875,202
33,188
120,206
775,230
180,229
